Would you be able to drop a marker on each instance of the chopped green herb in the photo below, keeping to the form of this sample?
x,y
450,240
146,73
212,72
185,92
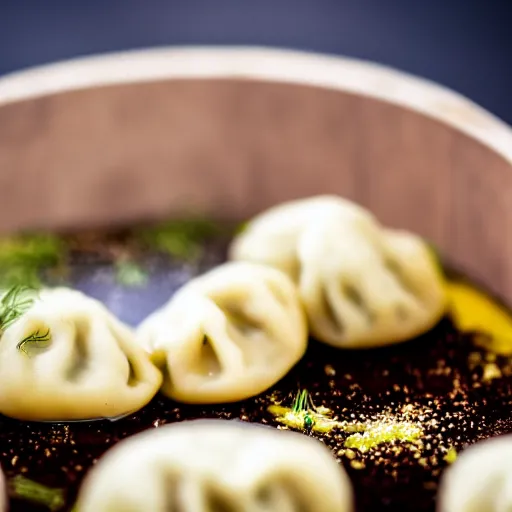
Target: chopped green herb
x,y
14,304
178,238
301,401
304,415
130,274
308,421
22,257
40,340
24,488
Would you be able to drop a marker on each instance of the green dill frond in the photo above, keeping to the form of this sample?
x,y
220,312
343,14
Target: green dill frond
x,y
18,275
130,274
302,401
36,250
179,238
14,304
40,340
22,257
26,489
303,415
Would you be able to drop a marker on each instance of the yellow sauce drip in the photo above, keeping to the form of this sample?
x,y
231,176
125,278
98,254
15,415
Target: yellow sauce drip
x,y
474,311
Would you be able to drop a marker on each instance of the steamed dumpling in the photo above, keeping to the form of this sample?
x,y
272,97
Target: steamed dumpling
x,y
480,480
3,493
82,363
361,285
217,465
227,335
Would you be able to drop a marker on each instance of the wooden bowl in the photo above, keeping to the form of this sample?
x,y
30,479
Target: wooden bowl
x,y
228,132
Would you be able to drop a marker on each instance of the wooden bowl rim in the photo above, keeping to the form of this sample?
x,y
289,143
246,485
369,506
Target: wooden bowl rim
x,y
263,64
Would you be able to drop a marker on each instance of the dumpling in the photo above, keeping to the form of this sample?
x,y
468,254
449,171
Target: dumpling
x,y
361,285
217,465
68,358
3,493
480,480
227,335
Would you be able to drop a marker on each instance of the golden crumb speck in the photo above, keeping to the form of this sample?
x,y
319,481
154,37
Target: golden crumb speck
x,y
451,455
491,371
350,454
329,370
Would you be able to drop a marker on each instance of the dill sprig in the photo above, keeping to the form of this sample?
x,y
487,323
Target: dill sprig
x,y
302,401
14,304
22,257
180,239
304,415
26,489
39,339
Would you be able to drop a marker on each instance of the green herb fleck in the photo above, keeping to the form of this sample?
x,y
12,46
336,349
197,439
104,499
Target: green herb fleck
x,y
179,238
130,274
301,401
308,421
24,488
22,257
40,340
14,304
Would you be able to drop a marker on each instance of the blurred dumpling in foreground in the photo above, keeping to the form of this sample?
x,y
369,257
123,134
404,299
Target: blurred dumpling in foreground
x,y
227,335
207,465
361,285
480,480
68,358
3,493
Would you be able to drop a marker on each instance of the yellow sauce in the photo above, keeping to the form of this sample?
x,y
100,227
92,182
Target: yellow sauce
x,y
379,433
474,311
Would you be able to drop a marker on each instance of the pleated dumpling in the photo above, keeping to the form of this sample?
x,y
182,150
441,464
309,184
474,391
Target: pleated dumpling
x,y
227,335
68,358
362,285
217,465
480,480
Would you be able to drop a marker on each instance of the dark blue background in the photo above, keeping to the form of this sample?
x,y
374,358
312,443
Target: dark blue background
x,y
464,44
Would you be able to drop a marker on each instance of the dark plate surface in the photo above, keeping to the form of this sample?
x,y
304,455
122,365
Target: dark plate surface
x,y
434,381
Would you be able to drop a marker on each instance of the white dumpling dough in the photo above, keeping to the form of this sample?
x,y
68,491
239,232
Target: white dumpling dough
x,y
361,285
480,480
227,335
214,465
91,367
3,493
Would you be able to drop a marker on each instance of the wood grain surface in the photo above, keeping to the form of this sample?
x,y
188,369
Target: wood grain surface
x,y
230,147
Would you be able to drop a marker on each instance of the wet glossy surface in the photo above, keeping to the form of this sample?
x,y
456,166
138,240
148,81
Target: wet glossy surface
x,y
433,380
